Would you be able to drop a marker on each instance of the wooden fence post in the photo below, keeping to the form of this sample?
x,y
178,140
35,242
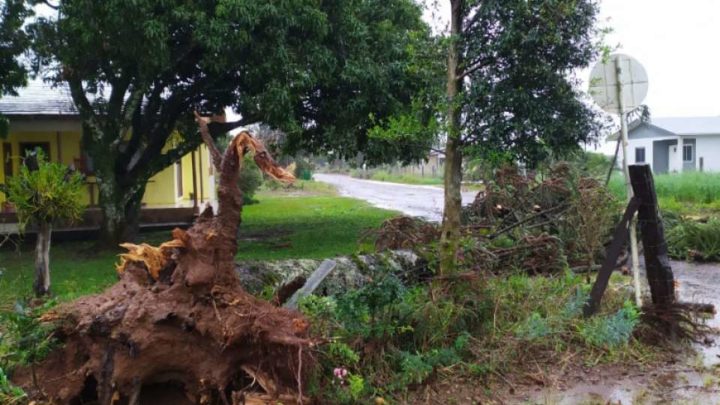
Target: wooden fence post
x,y
657,264
620,236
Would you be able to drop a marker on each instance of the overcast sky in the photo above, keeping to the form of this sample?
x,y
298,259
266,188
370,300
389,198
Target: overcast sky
x,y
676,41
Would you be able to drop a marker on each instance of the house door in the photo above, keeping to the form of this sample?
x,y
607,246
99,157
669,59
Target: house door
x,y
673,159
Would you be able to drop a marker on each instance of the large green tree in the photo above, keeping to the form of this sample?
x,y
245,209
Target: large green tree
x,y
510,90
13,42
319,70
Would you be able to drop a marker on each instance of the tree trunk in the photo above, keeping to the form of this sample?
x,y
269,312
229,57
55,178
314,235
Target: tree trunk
x,y
42,260
121,206
450,233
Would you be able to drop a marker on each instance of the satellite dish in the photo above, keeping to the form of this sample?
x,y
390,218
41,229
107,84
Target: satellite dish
x,y
604,84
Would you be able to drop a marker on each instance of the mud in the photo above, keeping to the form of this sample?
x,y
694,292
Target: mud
x,y
178,326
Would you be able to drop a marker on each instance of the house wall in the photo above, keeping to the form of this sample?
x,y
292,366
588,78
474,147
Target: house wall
x,y
64,146
646,143
64,139
655,141
160,189
202,176
708,148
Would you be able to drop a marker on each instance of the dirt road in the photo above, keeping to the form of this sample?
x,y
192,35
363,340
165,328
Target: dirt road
x,y
414,200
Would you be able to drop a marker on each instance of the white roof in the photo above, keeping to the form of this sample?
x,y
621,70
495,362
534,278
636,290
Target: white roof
x,y
39,98
689,125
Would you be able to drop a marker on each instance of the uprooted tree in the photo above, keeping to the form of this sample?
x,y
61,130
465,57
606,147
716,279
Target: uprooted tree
x,y
178,321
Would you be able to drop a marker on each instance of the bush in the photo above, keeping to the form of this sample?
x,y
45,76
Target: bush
x,y
695,240
304,169
9,394
612,331
387,336
249,180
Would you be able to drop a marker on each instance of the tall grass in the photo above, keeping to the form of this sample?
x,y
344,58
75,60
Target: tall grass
x,y
687,192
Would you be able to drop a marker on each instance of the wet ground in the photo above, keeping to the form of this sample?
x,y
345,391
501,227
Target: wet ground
x,y
414,200
693,379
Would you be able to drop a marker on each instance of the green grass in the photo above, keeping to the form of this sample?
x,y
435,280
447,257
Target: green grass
x,y
306,221
286,226
382,175
77,268
688,193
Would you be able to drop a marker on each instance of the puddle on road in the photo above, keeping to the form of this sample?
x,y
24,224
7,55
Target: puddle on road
x,y
687,383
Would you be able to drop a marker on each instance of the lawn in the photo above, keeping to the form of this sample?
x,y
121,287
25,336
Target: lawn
x,y
288,225
382,175
307,221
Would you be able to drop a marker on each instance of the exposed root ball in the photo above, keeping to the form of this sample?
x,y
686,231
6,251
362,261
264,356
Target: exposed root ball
x,y
178,327
680,321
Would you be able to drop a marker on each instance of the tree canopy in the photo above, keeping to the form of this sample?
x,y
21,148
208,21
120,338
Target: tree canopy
x,y
521,101
13,42
136,70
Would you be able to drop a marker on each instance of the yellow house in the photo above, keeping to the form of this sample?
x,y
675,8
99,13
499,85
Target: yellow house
x,y
45,117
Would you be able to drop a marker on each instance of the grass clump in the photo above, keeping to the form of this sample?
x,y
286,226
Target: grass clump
x,y
691,240
687,193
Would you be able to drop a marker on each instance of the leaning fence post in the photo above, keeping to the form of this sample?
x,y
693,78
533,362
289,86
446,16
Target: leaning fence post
x,y
619,238
657,264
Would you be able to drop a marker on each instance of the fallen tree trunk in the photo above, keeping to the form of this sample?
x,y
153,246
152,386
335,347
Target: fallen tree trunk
x,y
350,272
179,327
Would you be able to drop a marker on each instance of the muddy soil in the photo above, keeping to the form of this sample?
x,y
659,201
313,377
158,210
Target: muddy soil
x,y
693,378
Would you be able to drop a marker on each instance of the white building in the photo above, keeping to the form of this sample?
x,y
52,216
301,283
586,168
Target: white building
x,y
675,144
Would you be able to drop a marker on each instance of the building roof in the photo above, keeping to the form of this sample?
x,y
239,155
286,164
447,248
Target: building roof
x,y
678,125
689,125
39,98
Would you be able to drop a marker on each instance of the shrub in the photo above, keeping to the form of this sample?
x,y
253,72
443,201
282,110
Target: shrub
x,y
388,334
611,331
304,169
695,240
44,195
249,180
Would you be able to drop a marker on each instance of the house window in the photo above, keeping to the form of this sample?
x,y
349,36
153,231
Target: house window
x,y
639,155
688,153
31,147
